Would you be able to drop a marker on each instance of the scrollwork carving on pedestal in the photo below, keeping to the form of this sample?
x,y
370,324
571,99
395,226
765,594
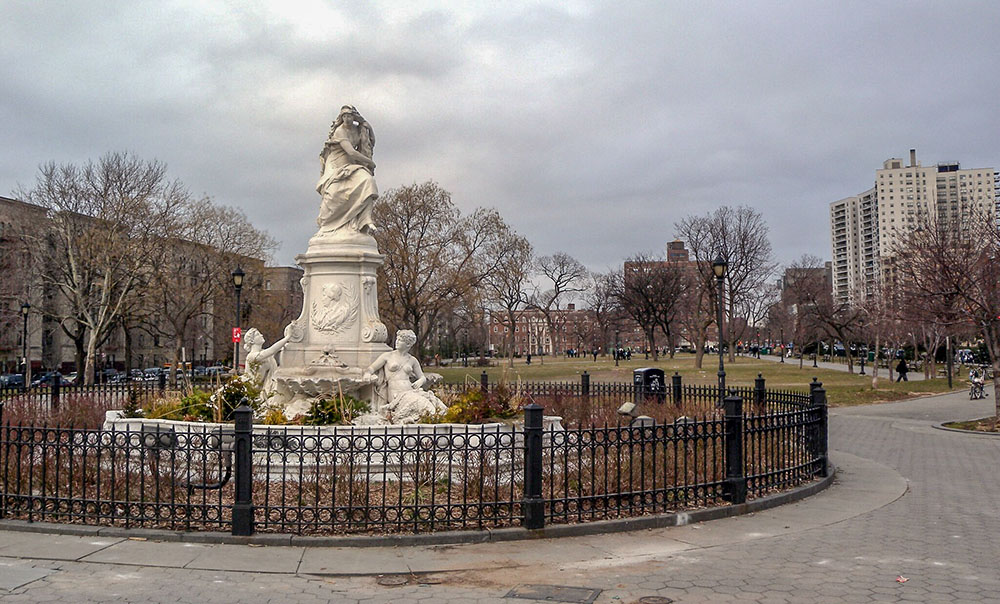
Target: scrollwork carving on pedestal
x,y
296,332
373,329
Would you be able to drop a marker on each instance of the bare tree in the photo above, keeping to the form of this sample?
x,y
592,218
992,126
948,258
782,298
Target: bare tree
x,y
649,291
781,323
434,255
956,271
602,303
819,311
563,275
806,296
192,279
507,288
107,219
696,312
740,237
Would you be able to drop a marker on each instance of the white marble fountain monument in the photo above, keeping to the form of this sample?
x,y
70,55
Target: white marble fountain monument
x,y
338,343
337,346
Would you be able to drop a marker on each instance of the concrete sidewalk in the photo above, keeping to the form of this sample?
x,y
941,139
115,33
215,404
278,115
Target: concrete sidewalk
x,y
883,373
862,486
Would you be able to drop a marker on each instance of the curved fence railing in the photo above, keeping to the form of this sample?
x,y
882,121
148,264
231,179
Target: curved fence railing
x,y
691,450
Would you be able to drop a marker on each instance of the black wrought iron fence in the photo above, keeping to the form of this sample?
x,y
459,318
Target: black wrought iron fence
x,y
313,480
148,478
620,471
419,479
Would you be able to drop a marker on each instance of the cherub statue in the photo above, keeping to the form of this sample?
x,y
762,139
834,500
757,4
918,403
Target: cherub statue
x,y
260,361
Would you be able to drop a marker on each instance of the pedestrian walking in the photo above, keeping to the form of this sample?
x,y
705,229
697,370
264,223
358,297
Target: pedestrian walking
x,y
901,370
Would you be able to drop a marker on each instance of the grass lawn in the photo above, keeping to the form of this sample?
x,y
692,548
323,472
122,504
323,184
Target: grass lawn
x,y
842,388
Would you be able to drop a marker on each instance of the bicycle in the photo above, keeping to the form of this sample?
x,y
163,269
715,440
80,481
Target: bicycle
x,y
977,381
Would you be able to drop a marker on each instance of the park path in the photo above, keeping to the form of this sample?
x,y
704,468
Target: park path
x,y
883,373
910,501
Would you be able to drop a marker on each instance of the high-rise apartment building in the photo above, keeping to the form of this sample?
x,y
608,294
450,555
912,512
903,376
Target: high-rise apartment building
x,y
855,235
866,229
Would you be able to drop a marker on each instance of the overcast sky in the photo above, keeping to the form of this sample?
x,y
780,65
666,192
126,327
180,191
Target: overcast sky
x,y
592,127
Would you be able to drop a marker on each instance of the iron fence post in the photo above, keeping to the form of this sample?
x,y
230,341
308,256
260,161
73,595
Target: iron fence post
x,y
585,383
243,506
676,388
759,392
736,482
163,383
818,395
533,507
484,383
54,393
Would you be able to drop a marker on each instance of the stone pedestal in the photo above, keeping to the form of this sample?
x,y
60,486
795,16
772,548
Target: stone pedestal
x,y
338,333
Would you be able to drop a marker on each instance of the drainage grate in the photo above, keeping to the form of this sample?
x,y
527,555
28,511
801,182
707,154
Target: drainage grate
x,y
655,600
555,593
392,580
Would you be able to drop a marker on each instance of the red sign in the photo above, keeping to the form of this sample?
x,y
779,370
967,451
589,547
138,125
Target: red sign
x,y
237,334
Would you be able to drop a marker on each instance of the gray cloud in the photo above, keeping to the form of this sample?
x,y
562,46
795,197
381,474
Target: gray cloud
x,y
592,127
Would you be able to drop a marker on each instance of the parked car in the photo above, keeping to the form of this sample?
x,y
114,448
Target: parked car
x,y
152,374
11,380
49,378
72,378
217,370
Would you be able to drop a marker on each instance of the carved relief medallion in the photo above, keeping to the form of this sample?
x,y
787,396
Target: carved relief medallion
x,y
336,310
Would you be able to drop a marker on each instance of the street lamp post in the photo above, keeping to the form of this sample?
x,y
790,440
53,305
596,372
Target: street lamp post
x,y
816,354
465,348
719,268
25,309
238,275
862,351
618,345
782,344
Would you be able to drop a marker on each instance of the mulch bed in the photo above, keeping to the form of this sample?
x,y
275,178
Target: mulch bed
x,y
986,424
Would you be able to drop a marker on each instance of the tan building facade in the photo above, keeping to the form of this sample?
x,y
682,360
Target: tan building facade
x,y
271,297
867,229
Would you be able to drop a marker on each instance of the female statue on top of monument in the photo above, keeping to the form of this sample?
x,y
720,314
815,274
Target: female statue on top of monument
x,y
347,184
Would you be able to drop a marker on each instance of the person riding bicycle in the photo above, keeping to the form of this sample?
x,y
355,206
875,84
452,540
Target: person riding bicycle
x,y
977,380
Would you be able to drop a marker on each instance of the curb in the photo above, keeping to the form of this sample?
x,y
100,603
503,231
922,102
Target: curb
x,y
441,538
942,426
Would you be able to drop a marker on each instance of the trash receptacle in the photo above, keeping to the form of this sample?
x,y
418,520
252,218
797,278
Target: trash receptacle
x,y
647,382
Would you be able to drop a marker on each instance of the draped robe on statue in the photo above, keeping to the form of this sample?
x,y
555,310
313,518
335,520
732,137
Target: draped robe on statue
x,y
348,189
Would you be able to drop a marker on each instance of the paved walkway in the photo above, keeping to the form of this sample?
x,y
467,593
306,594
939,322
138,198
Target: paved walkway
x,y
883,373
910,501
